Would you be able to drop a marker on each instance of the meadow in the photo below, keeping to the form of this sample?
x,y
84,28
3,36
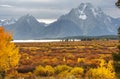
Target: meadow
x,y
74,59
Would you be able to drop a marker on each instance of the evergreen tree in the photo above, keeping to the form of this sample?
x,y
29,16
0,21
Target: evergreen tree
x,y
116,58
118,3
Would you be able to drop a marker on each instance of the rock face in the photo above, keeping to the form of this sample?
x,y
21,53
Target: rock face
x,y
85,20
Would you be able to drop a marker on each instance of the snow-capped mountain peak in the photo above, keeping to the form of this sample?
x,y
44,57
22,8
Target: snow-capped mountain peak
x,y
84,5
7,21
85,8
27,18
81,10
89,19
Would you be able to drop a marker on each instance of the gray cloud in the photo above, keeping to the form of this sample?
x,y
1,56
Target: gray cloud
x,y
49,9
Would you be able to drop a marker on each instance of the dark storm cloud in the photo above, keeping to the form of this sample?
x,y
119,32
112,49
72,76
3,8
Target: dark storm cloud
x,y
46,9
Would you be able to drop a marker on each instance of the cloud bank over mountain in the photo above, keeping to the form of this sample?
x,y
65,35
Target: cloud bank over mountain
x,y
50,9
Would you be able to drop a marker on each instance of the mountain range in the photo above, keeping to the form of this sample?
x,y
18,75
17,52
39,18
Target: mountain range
x,y
85,20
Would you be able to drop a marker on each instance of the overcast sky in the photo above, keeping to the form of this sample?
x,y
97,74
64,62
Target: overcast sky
x,y
50,9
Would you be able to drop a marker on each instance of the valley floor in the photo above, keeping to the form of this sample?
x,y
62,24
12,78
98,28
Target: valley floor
x,y
83,54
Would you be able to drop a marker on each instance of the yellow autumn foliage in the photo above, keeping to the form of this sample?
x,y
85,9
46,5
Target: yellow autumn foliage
x,y
100,73
9,53
44,71
77,71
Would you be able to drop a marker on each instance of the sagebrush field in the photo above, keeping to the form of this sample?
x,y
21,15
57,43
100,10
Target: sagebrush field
x,y
74,58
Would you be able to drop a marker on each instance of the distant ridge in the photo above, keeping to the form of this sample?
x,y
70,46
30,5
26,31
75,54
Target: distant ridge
x,y
107,37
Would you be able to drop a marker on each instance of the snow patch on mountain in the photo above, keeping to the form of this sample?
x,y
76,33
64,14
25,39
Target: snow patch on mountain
x,y
83,17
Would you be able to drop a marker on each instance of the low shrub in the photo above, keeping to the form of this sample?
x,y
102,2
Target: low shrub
x,y
62,68
77,71
44,71
100,73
